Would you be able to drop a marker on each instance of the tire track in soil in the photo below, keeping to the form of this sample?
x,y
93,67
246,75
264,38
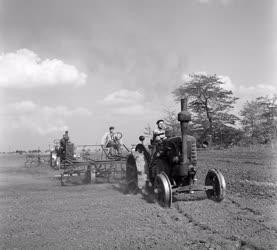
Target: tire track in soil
x,y
206,238
254,212
235,212
234,241
243,208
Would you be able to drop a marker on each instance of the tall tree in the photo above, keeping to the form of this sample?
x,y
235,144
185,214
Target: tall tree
x,y
259,119
250,113
209,101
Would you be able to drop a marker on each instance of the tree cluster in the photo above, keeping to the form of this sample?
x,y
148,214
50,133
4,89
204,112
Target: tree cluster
x,y
259,119
211,105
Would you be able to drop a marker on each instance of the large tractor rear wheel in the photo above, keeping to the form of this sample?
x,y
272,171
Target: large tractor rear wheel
x,y
131,174
216,179
136,172
162,190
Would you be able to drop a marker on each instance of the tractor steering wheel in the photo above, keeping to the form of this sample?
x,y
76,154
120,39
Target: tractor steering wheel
x,y
117,136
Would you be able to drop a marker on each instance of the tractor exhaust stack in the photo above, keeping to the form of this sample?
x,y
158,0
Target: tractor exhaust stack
x,y
184,117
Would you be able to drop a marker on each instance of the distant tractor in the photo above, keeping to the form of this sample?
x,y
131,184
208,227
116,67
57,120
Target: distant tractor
x,y
62,155
170,166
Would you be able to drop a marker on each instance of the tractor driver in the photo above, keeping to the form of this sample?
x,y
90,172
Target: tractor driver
x,y
66,137
159,132
63,142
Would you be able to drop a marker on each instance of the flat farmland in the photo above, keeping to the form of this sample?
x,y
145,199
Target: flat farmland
x,y
36,212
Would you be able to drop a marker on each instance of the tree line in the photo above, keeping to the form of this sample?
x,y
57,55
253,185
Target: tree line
x,y
213,117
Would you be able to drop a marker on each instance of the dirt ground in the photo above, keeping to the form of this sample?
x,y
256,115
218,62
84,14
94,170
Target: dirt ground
x,y
36,212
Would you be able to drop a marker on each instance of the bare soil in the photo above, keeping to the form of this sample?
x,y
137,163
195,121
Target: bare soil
x,y
36,212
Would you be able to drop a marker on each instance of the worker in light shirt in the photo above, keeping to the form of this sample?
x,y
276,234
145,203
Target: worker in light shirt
x,y
159,132
112,140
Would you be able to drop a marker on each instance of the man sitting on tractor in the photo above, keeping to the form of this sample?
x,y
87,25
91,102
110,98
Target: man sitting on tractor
x,y
63,142
66,137
112,140
159,132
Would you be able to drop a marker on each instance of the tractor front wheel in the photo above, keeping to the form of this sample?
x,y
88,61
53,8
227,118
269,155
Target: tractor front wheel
x,y
215,179
162,190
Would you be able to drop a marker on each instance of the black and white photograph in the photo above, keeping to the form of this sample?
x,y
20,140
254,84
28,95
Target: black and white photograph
x,y
138,124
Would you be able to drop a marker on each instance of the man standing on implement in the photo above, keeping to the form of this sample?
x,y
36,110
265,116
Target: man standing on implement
x,y
110,140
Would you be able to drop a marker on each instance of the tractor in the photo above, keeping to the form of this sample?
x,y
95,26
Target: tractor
x,y
169,167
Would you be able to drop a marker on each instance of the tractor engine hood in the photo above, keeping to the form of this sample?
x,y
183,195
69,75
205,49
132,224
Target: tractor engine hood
x,y
172,147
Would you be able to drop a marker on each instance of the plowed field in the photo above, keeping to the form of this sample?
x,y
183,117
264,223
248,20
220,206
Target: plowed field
x,y
36,212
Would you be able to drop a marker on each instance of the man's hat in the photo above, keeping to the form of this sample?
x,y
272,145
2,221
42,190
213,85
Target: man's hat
x,y
159,121
111,127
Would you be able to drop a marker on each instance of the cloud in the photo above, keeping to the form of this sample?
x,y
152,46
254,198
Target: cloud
x,y
123,96
248,92
24,106
138,109
228,84
223,2
203,1
38,119
257,90
125,102
25,69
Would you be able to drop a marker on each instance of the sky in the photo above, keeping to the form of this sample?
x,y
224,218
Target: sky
x,y
89,64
